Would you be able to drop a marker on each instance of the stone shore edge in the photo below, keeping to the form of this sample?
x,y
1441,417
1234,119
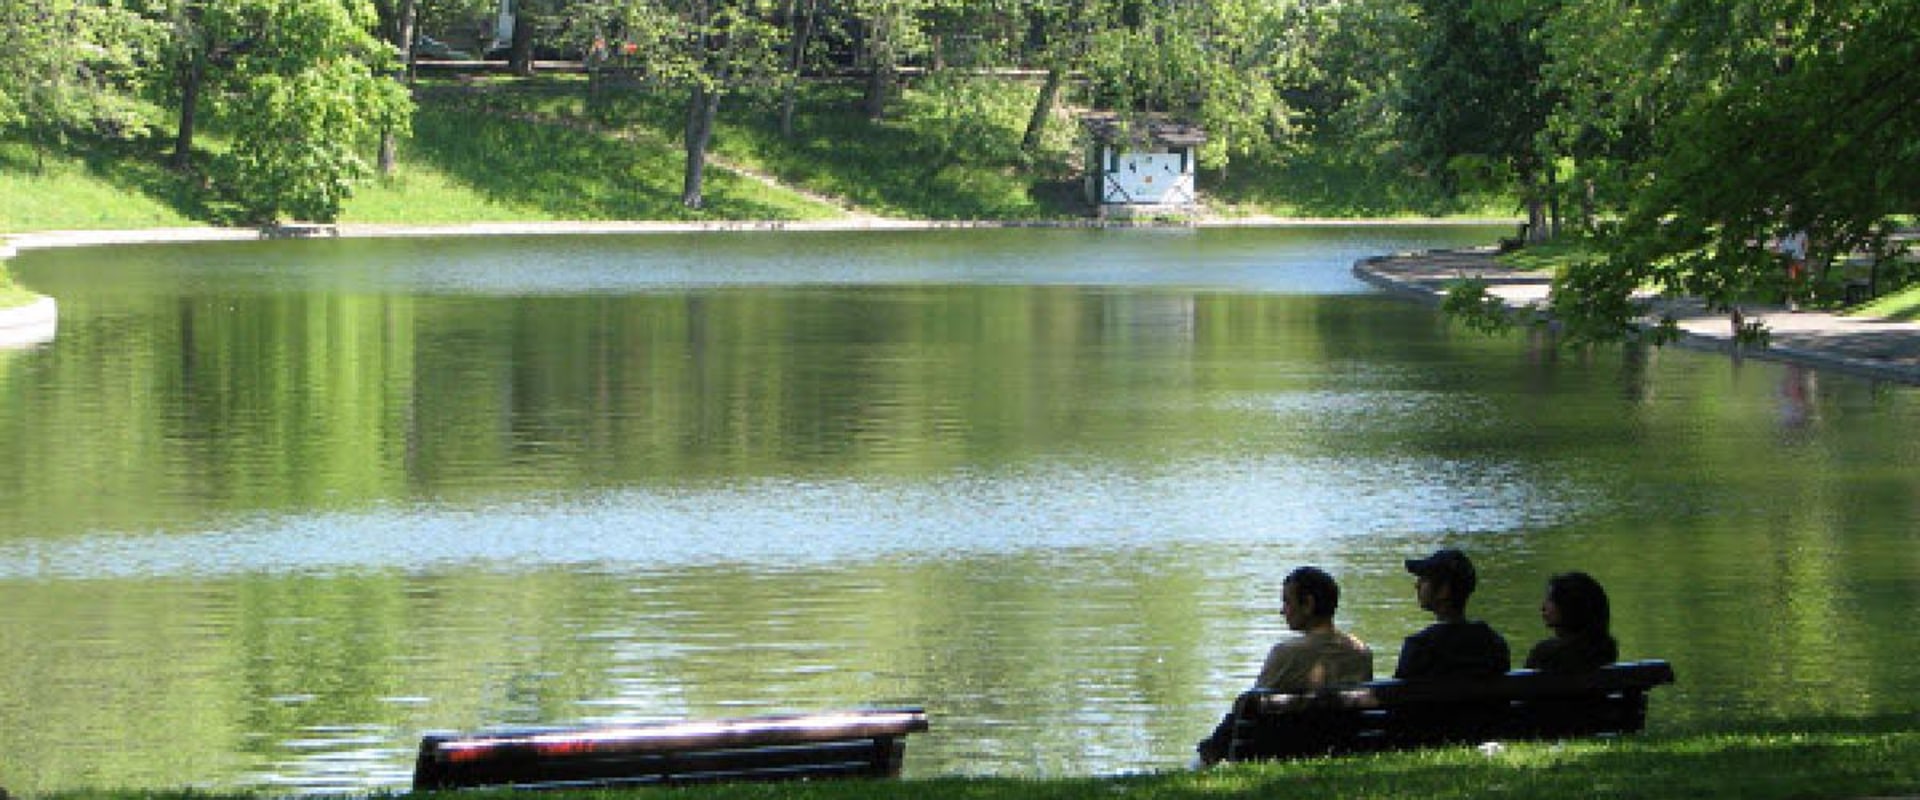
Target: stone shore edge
x,y
1693,334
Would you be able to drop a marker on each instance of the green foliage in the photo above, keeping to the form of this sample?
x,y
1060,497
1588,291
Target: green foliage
x,y
1469,303
1473,104
1593,300
1220,63
1791,121
72,66
306,103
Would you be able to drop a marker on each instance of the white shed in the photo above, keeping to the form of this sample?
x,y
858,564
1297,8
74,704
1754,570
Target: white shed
x,y
1141,166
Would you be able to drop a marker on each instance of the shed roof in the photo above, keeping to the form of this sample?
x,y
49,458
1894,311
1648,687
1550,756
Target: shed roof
x,y
1151,128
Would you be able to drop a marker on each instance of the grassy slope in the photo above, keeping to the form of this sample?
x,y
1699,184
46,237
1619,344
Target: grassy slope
x,y
510,150
1814,759
1902,305
117,187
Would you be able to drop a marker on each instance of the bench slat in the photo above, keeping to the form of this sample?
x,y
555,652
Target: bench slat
x,y
850,744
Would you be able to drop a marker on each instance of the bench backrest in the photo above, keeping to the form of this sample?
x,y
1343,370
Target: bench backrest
x,y
839,745
1394,714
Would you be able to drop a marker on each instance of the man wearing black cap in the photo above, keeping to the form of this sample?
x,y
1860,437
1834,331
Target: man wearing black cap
x,y
1452,646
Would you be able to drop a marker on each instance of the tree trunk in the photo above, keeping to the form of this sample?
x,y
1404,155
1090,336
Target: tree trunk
x,y
520,54
389,147
881,58
702,108
802,21
1042,110
1059,61
1553,201
190,80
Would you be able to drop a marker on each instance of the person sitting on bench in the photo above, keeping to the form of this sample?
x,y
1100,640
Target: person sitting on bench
x,y
1320,656
1453,646
1576,609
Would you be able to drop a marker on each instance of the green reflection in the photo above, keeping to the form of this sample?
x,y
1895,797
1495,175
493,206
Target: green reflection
x,y
1754,524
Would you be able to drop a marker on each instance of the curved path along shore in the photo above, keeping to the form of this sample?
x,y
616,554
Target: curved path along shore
x,y
1875,348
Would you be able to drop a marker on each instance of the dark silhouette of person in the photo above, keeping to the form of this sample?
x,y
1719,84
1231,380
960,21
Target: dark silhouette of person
x,y
1575,607
1452,646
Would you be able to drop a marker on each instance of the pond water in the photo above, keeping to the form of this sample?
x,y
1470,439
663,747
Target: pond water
x,y
275,510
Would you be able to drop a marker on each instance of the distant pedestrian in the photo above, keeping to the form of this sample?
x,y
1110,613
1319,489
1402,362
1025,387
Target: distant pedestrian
x,y
1792,248
1575,608
1452,646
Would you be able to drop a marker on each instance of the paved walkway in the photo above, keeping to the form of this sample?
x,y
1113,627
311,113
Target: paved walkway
x,y
1874,348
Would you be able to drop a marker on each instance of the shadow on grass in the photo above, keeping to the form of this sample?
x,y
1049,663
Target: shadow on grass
x,y
138,165
1311,184
935,157
573,173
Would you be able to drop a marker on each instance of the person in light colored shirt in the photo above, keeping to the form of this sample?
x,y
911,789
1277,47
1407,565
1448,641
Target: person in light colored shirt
x,y
1321,656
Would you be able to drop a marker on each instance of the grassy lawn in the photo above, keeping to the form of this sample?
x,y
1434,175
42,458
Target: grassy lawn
x,y
1315,183
12,296
117,186
949,148
1903,305
1852,758
1548,256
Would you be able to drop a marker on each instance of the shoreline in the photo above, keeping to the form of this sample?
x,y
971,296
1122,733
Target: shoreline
x,y
1876,349
46,240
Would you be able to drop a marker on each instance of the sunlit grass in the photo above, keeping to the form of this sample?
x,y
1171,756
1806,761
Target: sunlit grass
x,y
109,188
1903,305
12,296
1550,257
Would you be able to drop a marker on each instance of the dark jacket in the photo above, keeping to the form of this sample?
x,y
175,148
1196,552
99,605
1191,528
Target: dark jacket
x,y
1454,649
1578,653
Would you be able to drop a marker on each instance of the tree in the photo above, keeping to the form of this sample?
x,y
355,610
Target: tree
x,y
708,48
1791,117
70,66
1064,31
301,83
1220,63
1474,104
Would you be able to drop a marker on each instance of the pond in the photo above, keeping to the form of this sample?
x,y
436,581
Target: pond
x,y
274,510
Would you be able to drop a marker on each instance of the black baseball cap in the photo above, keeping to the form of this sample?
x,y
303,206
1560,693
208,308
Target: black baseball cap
x,y
1446,564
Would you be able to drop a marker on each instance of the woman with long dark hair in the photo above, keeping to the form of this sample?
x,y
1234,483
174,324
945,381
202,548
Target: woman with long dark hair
x,y
1576,609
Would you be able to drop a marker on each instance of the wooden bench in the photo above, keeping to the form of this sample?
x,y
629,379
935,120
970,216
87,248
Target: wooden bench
x,y
1398,715
814,746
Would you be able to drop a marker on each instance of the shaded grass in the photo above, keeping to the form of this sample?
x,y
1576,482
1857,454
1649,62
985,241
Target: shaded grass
x,y
1317,181
948,149
533,170
1841,758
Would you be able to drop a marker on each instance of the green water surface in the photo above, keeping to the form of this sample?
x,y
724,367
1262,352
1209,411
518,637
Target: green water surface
x,y
274,510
